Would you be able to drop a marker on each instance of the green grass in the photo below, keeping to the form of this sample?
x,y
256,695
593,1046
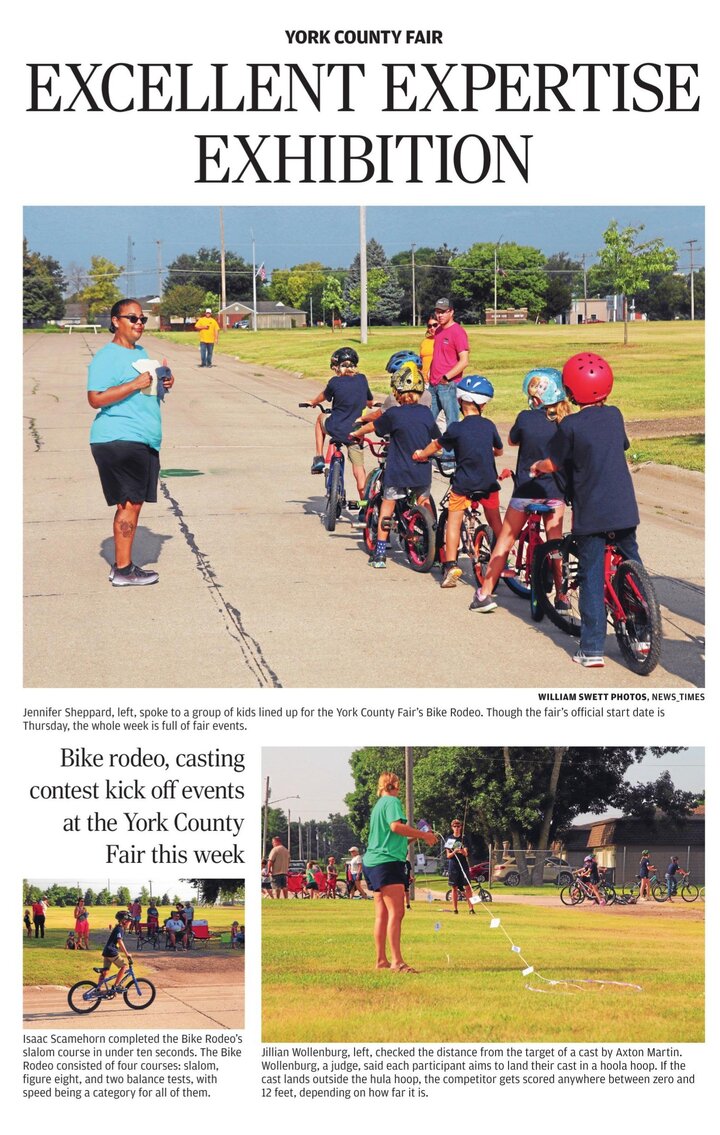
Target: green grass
x,y
686,452
319,983
47,962
659,375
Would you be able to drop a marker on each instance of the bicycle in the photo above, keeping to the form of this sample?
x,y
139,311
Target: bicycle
x,y
657,889
413,523
630,601
688,892
579,890
476,537
335,498
86,996
485,896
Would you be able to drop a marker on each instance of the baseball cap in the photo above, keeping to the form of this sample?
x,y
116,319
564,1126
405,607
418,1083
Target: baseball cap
x,y
443,304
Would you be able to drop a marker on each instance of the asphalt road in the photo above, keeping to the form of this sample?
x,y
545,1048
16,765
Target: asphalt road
x,y
253,591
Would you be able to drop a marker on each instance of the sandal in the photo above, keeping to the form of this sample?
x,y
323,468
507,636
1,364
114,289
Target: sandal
x,y
404,968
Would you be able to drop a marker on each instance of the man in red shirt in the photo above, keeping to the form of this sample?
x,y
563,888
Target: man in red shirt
x,y
451,354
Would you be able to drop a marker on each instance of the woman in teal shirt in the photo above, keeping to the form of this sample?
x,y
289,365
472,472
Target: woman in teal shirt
x,y
384,870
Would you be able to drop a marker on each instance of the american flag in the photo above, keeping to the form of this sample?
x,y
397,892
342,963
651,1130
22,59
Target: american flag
x,y
261,273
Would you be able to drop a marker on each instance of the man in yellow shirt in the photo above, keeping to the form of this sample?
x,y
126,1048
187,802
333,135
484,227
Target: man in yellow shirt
x,y
209,330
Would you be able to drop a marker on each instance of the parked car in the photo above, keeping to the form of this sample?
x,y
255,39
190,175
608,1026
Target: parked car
x,y
480,872
555,870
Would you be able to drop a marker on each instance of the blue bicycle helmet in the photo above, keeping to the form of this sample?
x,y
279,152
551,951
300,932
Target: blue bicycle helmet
x,y
399,358
542,387
474,388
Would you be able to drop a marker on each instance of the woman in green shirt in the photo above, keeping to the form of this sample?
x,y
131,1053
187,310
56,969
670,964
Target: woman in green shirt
x,y
384,870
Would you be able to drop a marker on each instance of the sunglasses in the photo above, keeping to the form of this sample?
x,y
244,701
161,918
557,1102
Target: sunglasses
x,y
433,326
134,318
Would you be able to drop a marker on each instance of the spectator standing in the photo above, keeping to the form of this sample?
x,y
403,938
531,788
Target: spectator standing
x,y
428,345
209,330
451,354
279,863
39,909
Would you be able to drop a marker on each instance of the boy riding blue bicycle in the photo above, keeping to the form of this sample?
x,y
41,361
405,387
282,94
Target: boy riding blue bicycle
x,y
112,950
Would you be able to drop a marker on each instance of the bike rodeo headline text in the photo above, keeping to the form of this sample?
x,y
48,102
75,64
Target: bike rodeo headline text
x,y
135,807
479,90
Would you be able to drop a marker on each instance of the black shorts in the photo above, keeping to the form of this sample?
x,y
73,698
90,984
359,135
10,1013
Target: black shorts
x,y
129,471
384,875
455,876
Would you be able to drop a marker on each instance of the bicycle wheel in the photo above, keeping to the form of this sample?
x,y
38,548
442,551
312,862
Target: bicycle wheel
x,y
139,994
608,892
639,633
372,514
517,561
659,892
572,895
690,892
83,997
334,496
486,896
483,542
420,538
632,891
556,558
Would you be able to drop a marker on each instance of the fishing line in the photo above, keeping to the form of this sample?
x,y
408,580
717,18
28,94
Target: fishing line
x,y
570,986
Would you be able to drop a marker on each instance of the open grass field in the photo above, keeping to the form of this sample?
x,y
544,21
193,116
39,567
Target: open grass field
x,y
47,962
319,984
660,374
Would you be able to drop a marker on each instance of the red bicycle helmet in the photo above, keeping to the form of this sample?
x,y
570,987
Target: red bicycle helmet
x,y
587,378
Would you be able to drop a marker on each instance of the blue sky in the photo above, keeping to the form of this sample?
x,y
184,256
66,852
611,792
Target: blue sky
x,y
287,236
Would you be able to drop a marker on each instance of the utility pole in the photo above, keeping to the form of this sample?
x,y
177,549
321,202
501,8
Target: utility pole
x,y
584,289
223,292
410,808
414,306
265,816
363,278
254,314
158,249
692,279
130,265
495,277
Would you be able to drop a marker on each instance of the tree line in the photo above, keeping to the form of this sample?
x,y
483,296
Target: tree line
x,y
525,796
401,289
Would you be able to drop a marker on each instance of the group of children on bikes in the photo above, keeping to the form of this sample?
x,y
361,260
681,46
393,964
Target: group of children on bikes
x,y
562,456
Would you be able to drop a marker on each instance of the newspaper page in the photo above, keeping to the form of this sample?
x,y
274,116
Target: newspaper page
x,y
358,759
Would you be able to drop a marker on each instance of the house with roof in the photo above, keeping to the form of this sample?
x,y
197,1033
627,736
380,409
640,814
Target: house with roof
x,y
238,315
619,841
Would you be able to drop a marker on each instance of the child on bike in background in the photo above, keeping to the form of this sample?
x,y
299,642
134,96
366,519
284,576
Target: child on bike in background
x,y
590,873
532,432
673,870
589,447
409,426
475,443
349,394
113,948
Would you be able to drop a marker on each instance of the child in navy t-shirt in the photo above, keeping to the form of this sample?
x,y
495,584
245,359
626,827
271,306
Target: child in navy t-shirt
x,y
532,432
349,395
474,443
410,426
589,447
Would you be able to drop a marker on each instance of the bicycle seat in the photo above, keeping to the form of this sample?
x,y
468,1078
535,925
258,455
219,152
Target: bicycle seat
x,y
537,508
98,969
